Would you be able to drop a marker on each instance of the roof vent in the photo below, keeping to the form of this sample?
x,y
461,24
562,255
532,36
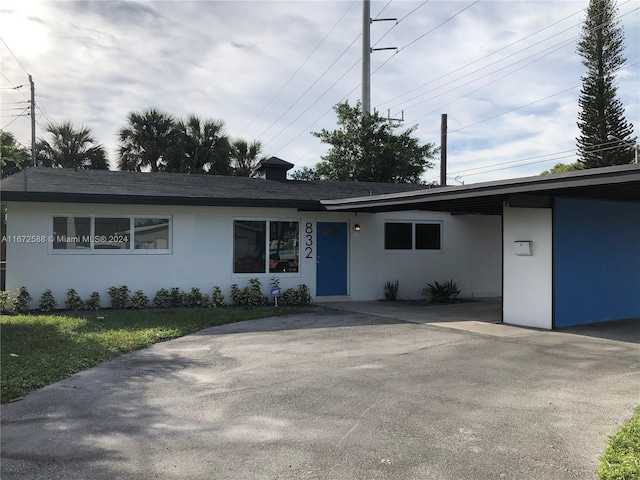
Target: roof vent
x,y
274,168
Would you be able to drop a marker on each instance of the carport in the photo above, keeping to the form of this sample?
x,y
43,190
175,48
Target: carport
x,y
570,242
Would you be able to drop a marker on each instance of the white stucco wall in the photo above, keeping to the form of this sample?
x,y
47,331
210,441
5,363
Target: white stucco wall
x,y
202,253
527,296
470,256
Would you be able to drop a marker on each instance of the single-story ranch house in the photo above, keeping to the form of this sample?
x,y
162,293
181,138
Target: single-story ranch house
x,y
559,249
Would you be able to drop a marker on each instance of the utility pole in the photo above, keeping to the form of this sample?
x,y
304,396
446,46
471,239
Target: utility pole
x,y
366,56
33,122
443,150
366,52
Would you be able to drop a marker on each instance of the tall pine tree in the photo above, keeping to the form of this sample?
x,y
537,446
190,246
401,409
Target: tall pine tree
x,y
601,116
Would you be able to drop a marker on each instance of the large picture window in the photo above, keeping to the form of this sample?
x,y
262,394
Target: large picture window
x,y
283,247
249,246
71,233
261,246
419,236
151,233
112,233
123,234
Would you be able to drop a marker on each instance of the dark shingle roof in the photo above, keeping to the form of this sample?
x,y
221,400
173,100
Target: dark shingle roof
x,y
103,186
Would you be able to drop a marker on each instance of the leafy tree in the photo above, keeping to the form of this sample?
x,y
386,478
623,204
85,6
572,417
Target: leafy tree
x,y
601,112
245,156
148,140
13,157
70,147
563,168
202,147
306,173
369,148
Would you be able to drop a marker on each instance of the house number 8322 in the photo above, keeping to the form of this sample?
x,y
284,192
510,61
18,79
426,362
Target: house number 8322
x,y
308,230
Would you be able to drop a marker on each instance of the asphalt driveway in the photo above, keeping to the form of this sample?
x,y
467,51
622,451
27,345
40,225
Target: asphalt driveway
x,y
332,395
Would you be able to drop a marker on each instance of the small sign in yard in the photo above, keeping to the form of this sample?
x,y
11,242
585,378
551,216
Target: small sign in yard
x,y
275,293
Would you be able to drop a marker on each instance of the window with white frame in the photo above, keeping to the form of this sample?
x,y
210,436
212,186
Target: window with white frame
x,y
413,236
110,234
265,246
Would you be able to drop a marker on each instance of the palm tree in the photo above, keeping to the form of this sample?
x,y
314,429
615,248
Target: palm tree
x,y
203,147
13,155
245,157
71,147
148,140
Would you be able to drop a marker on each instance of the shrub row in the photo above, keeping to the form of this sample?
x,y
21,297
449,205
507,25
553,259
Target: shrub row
x,y
121,298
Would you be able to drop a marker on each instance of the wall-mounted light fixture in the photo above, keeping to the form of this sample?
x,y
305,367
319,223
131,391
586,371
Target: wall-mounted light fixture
x,y
357,227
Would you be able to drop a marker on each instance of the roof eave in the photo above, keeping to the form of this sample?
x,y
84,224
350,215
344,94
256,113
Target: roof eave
x,y
46,197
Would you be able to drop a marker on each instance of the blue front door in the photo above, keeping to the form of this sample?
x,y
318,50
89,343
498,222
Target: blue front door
x,y
331,273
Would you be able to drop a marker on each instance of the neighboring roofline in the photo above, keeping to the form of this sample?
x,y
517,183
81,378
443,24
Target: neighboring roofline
x,y
502,188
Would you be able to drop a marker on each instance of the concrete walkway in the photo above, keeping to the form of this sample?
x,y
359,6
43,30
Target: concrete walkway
x,y
480,316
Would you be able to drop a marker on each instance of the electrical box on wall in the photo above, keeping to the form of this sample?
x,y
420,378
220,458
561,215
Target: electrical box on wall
x,y
522,248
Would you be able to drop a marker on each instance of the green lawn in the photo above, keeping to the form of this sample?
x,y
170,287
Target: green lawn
x,y
36,350
621,459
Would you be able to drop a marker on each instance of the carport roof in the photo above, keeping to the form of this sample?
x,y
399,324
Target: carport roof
x,y
621,183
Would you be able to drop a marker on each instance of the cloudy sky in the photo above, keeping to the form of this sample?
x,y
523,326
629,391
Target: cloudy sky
x,y
505,72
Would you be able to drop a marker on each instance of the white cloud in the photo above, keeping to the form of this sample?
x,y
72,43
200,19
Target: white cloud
x,y
94,62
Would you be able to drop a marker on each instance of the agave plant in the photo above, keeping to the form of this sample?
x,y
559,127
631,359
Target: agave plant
x,y
391,290
442,292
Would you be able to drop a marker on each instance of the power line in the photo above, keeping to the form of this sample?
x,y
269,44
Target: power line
x,y
473,62
484,67
16,58
403,18
326,91
40,106
516,108
398,22
317,120
16,118
316,101
383,8
312,85
424,35
300,67
438,26
550,50
17,89
493,53
512,162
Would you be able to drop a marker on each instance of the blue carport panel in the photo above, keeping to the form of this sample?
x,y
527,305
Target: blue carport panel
x,y
596,261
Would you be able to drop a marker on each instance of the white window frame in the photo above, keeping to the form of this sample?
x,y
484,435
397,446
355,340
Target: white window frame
x,y
266,273
413,250
93,251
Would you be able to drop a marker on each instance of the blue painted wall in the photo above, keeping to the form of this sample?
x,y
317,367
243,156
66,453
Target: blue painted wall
x,y
596,261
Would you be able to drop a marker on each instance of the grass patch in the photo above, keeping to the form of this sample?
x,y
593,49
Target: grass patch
x,y
621,459
37,350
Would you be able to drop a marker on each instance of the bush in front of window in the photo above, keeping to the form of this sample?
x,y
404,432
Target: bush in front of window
x,y
217,297
441,292
162,299
251,295
22,300
177,297
295,296
119,296
93,303
47,301
73,302
139,300
4,300
195,299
